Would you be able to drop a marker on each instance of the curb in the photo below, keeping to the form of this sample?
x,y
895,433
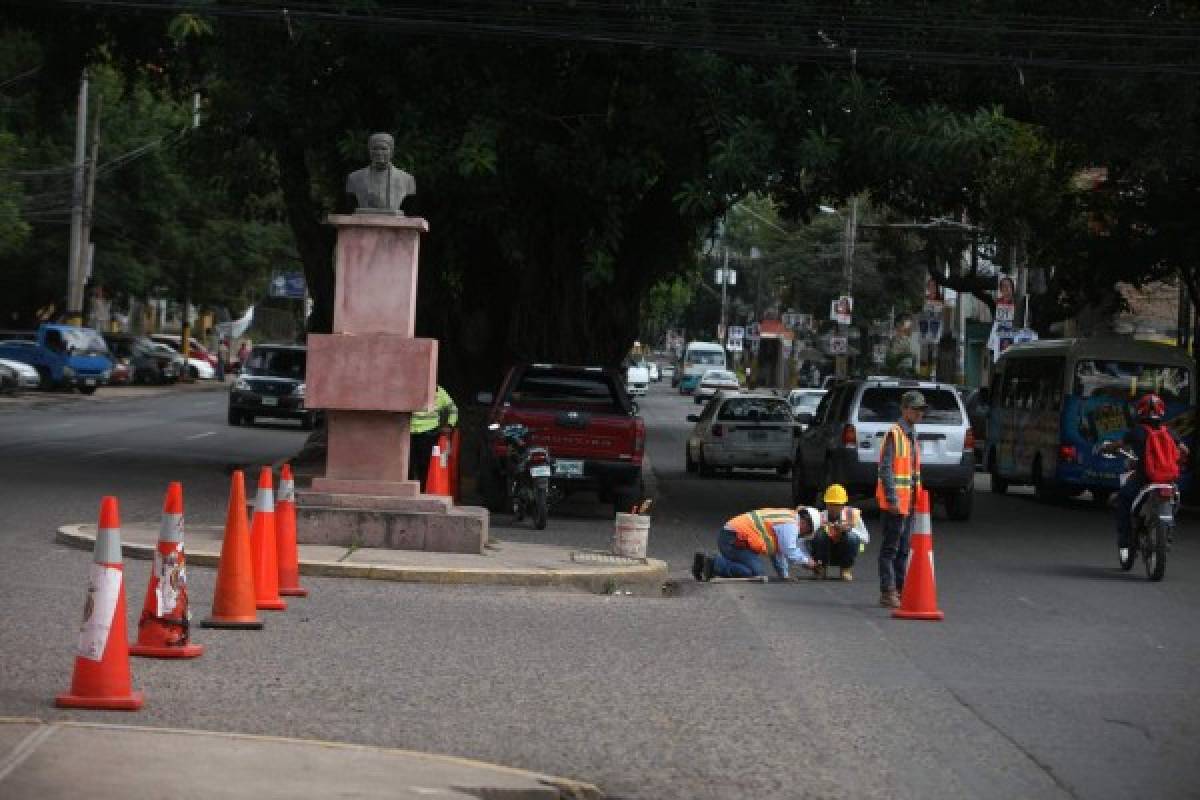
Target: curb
x,y
562,788
653,571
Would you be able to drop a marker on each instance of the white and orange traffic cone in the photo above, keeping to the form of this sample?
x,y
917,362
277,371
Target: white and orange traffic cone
x,y
285,534
264,552
164,629
437,480
101,679
919,598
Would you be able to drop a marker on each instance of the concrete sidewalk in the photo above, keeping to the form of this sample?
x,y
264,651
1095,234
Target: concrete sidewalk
x,y
64,760
503,563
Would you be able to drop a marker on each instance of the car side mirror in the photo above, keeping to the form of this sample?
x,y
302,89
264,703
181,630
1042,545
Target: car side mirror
x,y
693,417
485,398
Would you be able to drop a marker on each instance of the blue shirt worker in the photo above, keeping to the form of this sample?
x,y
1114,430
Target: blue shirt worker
x,y
774,533
424,430
840,537
896,492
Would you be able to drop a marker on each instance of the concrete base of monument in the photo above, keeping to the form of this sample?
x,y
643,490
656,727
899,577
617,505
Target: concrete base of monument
x,y
424,522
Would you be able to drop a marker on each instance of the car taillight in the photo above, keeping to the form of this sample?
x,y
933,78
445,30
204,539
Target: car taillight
x,y
849,436
718,430
969,440
1067,453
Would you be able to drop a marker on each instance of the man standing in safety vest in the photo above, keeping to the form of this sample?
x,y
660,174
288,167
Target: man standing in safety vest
x,y
424,430
896,492
777,533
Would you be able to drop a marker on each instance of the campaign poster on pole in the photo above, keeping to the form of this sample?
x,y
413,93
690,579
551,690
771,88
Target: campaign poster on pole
x,y
733,342
1002,335
840,310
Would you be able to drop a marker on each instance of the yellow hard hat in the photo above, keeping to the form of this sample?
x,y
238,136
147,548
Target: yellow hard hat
x,y
836,494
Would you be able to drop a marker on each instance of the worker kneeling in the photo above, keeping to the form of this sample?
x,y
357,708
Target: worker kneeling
x,y
777,533
840,537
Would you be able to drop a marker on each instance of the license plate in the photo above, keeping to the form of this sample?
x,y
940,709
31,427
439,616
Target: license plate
x,y
569,469
90,382
270,401
540,472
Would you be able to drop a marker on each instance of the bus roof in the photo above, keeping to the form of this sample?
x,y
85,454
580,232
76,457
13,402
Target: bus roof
x,y
1121,348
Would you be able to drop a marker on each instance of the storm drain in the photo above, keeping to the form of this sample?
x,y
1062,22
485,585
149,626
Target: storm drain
x,y
605,558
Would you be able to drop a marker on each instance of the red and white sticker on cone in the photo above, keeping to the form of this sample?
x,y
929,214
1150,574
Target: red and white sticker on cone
x,y
104,587
170,579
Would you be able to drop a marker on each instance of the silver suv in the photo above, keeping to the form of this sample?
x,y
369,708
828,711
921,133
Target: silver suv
x,y
842,443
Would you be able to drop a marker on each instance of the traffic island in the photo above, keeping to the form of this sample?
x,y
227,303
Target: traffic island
x,y
501,564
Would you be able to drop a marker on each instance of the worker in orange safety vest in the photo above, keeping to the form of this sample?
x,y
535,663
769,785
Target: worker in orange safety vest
x,y
896,490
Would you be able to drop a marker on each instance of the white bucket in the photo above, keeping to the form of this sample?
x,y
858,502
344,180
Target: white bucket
x,y
630,535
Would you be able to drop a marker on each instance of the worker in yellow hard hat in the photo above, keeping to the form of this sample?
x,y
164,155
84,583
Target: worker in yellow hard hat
x,y
841,536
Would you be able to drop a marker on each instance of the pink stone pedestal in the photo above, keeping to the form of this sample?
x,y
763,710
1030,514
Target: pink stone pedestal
x,y
369,375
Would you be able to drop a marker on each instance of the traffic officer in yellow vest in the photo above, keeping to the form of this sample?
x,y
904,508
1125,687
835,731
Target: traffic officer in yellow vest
x,y
896,491
424,430
777,533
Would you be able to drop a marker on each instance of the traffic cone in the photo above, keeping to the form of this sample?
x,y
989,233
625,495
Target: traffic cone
x,y
101,679
264,552
455,443
233,598
163,628
919,598
437,480
285,534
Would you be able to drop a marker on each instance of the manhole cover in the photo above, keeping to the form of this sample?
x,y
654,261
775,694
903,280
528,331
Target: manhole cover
x,y
604,558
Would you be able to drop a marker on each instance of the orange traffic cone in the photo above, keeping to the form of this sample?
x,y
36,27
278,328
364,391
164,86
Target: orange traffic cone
x,y
919,598
163,629
101,679
285,534
437,480
264,552
233,598
455,443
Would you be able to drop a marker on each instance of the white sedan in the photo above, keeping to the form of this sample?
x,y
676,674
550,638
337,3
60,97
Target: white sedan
x,y
742,430
713,381
27,376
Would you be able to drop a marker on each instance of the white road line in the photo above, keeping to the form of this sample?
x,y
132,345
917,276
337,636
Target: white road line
x,y
201,435
24,749
1027,601
106,452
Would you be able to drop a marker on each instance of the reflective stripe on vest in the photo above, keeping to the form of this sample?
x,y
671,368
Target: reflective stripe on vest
x,y
906,472
755,530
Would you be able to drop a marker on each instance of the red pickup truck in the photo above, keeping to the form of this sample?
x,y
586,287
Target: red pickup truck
x,y
584,416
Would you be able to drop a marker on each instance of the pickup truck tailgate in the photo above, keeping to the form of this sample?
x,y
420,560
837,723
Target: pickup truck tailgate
x,y
580,434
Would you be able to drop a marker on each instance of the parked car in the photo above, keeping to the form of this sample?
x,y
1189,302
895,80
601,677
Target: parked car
x,y
748,430
804,404
195,349
637,379
271,384
24,376
583,416
713,381
144,360
843,441
65,356
655,373
197,368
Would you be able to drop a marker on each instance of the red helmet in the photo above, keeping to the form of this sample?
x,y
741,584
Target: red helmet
x,y
1151,406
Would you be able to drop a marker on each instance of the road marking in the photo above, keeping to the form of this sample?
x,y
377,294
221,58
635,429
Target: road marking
x,y
106,452
202,435
1027,601
24,750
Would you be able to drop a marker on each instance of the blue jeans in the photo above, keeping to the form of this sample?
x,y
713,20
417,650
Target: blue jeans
x,y
893,551
836,554
733,561
1124,509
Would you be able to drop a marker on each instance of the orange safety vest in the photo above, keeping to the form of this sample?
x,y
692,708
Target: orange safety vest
x,y
755,530
906,468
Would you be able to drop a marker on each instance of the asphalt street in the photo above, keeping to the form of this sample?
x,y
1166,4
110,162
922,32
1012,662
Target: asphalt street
x,y
1053,675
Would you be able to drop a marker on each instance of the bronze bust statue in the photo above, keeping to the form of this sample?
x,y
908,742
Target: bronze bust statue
x,y
380,187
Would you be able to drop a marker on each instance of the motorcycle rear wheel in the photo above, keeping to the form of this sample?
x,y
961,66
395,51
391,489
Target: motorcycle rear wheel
x,y
540,508
1154,552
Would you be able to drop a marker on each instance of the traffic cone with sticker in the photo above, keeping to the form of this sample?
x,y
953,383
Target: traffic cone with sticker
x,y
264,551
101,679
163,631
233,598
285,534
437,480
919,598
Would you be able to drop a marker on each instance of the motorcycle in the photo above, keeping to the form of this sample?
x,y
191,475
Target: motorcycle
x,y
1153,521
527,472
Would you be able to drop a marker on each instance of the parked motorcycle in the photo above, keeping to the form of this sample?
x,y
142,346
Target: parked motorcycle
x,y
1153,521
527,472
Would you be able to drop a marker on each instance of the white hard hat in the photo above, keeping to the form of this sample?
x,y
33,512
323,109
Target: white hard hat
x,y
814,517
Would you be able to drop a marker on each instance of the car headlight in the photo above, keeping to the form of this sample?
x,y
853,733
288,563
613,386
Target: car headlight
x,y
298,390
241,385
68,372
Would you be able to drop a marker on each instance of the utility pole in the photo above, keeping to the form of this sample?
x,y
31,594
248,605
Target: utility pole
x,y
724,283
75,250
89,205
185,346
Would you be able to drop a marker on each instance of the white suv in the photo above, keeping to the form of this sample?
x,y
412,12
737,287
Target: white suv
x,y
842,443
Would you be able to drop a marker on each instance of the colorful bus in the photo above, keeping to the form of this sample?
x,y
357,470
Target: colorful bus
x,y
1053,402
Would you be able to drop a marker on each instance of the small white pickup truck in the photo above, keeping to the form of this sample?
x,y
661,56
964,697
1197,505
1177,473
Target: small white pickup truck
x,y
637,379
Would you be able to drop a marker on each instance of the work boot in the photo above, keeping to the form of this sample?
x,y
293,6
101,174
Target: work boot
x,y
698,566
889,598
847,574
709,568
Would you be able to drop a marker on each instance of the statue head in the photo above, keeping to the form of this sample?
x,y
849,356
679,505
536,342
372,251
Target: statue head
x,y
380,146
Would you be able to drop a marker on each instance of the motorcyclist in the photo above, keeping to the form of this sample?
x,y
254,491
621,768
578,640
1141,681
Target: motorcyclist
x,y
1151,412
